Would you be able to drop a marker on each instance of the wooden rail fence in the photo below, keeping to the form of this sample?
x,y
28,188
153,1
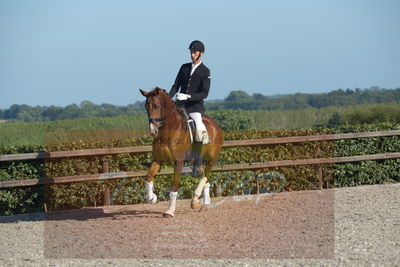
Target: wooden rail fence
x,y
106,175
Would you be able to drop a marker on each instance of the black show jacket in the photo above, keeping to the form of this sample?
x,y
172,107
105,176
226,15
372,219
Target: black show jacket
x,y
197,86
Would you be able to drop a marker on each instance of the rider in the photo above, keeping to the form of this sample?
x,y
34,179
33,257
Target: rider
x,y
193,80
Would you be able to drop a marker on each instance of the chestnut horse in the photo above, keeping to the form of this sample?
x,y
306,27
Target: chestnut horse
x,y
172,142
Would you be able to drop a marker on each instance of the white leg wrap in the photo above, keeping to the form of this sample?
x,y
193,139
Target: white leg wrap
x,y
172,203
199,189
150,196
206,194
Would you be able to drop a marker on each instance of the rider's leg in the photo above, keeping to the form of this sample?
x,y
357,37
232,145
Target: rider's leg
x,y
201,130
197,147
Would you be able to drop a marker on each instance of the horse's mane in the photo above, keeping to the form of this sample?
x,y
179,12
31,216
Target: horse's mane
x,y
169,103
165,98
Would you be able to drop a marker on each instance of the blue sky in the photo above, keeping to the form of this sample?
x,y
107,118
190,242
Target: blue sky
x,y
64,52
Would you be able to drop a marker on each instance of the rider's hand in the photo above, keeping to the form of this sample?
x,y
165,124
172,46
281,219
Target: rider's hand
x,y
182,97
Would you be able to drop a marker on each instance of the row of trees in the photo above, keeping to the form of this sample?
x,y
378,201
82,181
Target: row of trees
x,y
236,100
85,110
242,100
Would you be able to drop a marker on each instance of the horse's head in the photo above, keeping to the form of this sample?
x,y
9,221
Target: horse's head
x,y
156,105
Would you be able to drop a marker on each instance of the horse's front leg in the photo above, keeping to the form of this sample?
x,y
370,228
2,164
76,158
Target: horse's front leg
x,y
175,186
150,196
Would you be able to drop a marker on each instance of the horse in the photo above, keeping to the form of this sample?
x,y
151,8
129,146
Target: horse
x,y
172,141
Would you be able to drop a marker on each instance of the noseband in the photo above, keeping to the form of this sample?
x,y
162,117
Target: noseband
x,y
157,119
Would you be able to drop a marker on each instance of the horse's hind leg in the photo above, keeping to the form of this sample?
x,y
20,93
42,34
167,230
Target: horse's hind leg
x,y
195,203
203,188
207,173
150,196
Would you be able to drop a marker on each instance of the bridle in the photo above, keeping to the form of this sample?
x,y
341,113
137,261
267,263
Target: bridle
x,y
162,119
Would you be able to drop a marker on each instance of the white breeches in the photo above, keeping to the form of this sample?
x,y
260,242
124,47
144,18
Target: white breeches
x,y
196,116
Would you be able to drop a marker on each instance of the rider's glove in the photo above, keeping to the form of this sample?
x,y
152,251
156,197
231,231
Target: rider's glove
x,y
182,97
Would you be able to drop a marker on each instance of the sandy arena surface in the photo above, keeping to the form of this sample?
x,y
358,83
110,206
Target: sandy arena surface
x,y
347,226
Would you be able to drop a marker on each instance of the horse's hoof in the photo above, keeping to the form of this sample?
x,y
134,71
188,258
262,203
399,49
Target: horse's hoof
x,y
204,207
195,204
153,200
168,214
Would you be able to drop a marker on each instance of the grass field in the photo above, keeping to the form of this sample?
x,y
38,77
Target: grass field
x,y
14,133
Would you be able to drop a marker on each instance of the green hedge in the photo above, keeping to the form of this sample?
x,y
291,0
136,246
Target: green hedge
x,y
367,172
129,191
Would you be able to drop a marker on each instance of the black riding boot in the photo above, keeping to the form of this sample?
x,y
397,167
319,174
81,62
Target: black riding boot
x,y
197,170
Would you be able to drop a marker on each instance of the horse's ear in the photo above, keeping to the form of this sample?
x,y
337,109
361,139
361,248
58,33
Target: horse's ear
x,y
144,93
158,90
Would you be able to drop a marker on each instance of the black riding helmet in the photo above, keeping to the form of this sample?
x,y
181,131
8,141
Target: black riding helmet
x,y
197,46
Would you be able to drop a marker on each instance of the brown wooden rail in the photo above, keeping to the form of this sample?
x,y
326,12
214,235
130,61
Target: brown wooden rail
x,y
251,166
237,167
